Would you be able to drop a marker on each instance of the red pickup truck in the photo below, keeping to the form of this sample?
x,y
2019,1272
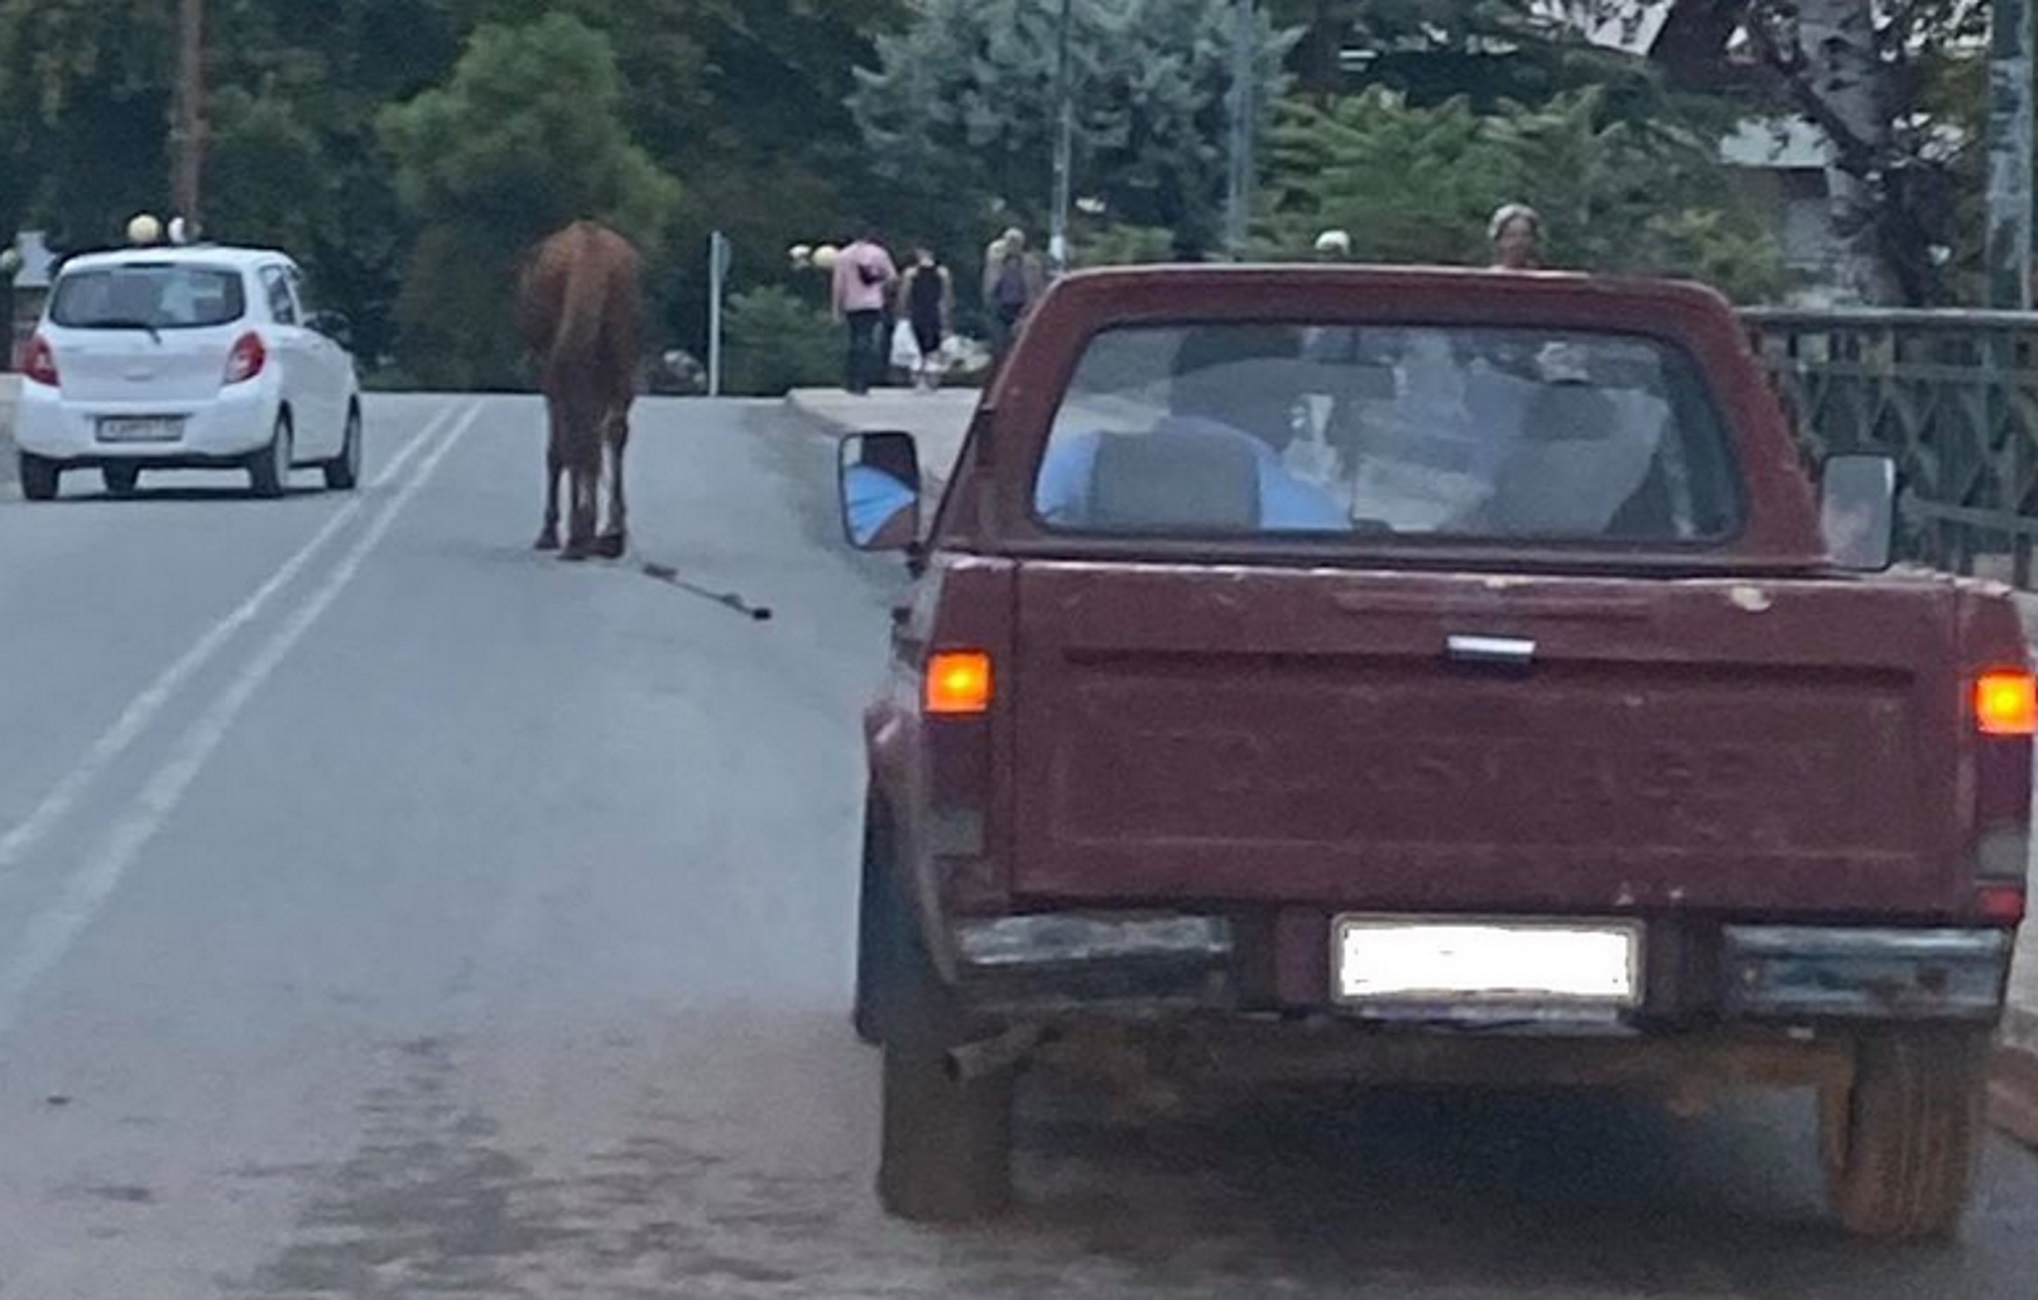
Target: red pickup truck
x,y
1387,675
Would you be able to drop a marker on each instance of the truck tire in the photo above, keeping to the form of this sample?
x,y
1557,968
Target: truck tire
x,y
945,1147
874,928
1900,1145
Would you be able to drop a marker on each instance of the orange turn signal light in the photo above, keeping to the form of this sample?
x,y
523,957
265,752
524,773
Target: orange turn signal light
x,y
958,683
2006,703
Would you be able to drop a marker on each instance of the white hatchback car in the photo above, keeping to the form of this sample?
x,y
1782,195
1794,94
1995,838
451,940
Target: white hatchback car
x,y
192,357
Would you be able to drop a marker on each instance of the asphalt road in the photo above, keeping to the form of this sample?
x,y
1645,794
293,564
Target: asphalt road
x,y
387,911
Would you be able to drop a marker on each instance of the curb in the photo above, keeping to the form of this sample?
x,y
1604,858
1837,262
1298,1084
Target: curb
x,y
2013,1078
825,423
934,480
2013,1095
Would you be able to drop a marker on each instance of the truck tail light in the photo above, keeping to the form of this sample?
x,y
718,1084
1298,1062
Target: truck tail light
x,y
246,360
2006,703
2002,904
958,684
40,365
2005,715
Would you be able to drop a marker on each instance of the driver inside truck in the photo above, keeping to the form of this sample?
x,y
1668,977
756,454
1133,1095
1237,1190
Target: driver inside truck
x,y
1232,395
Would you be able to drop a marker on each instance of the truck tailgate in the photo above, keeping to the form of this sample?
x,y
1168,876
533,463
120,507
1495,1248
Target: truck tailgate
x,y
1249,734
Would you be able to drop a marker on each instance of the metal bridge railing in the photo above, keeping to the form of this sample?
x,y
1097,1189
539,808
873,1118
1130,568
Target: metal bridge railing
x,y
1952,395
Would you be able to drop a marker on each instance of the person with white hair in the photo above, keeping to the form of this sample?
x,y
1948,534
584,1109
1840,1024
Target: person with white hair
x,y
1516,233
1014,279
1334,246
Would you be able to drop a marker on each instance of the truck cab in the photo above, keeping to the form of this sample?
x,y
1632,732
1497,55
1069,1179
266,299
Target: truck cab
x,y
1388,675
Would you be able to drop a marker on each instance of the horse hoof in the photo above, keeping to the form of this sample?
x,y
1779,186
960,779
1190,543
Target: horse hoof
x,y
547,541
575,552
611,546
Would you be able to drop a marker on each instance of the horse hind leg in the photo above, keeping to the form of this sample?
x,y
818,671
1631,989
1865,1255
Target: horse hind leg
x,y
614,541
585,489
555,467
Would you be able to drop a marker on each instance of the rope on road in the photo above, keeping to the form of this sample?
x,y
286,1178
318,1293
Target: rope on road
x,y
667,574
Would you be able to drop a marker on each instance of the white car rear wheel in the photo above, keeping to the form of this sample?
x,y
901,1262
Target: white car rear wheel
x,y
40,478
343,472
269,468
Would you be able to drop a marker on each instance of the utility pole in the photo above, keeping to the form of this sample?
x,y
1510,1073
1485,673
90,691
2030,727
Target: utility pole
x,y
187,133
719,258
1244,117
2009,155
1064,147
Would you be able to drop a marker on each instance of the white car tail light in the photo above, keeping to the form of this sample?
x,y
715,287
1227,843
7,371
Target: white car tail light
x,y
247,358
40,366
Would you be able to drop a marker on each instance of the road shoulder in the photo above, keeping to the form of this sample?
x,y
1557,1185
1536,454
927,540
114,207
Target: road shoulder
x,y
10,391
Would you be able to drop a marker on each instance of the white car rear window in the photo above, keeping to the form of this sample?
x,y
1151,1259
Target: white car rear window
x,y
143,295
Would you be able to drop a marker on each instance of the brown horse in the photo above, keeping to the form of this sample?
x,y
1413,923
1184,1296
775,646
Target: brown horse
x,y
581,312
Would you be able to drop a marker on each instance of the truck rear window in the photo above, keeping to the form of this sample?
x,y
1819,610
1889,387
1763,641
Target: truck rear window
x,y
154,296
1450,432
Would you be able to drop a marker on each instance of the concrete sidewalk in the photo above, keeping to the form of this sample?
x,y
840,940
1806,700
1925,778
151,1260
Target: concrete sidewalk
x,y
938,420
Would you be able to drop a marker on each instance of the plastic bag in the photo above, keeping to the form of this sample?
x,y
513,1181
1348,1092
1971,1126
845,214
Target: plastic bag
x,y
905,348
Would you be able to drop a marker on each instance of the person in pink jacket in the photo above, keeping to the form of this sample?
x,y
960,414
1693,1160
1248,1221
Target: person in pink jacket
x,y
864,276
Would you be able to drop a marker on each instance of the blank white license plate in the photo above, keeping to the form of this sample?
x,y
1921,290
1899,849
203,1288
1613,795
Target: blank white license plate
x,y
140,429
1381,960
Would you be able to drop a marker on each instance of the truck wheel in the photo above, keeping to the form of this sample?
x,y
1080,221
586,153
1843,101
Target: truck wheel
x,y
946,1147
874,930
1900,1145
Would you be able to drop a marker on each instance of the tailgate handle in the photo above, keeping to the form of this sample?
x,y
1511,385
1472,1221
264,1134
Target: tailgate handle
x,y
1499,651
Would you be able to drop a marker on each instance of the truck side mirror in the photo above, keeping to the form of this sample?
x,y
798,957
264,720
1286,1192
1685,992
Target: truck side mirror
x,y
878,475
1857,511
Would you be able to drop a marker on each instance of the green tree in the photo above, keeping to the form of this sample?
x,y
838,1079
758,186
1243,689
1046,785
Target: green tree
x,y
526,136
1492,51
296,160
84,105
746,101
1408,184
961,111
1414,184
777,341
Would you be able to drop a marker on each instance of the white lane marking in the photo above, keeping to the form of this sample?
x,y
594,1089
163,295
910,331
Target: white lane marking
x,y
142,710
50,933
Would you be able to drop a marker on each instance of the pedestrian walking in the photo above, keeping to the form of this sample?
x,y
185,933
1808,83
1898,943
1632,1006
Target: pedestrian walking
x,y
927,301
994,257
864,276
1013,280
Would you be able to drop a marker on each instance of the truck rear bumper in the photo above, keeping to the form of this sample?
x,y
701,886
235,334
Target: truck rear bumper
x,y
1135,963
1824,973
1155,964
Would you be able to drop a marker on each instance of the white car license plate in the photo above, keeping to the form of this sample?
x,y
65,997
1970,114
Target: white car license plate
x,y
156,428
1583,964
